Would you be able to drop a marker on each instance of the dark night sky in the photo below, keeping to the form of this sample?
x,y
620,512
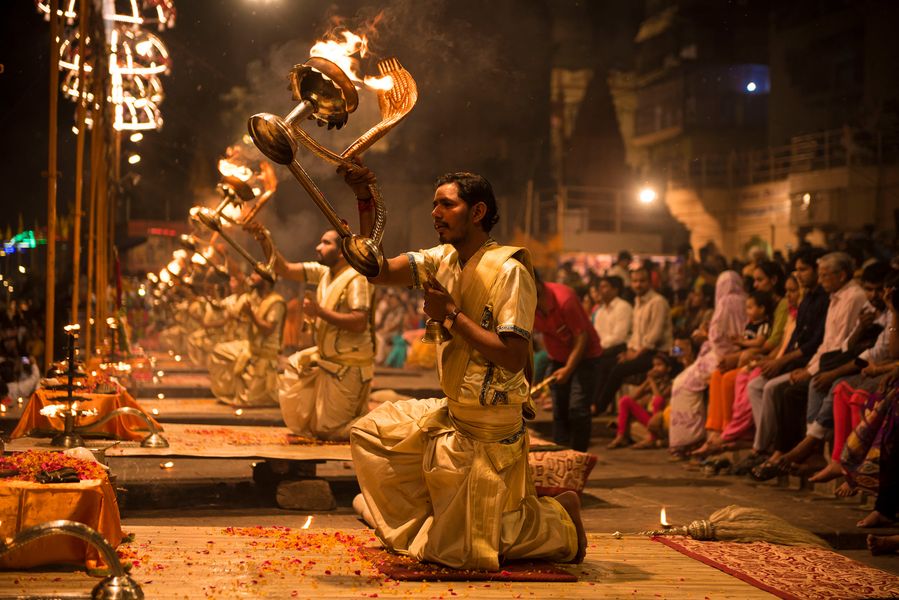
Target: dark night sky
x,y
482,73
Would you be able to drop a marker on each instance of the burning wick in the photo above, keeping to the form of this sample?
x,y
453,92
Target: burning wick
x,y
307,523
663,519
166,465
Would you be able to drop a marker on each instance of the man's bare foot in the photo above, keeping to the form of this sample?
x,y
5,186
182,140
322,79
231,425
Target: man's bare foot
x,y
361,508
845,490
619,442
572,505
883,544
874,519
828,473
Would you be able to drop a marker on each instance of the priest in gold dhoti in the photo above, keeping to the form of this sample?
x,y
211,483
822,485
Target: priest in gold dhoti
x,y
174,337
244,372
447,479
211,331
325,388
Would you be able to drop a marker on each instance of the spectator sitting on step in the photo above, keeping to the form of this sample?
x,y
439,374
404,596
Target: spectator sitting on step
x,y
648,400
650,333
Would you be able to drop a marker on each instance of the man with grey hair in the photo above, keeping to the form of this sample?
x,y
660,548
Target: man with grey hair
x,y
847,300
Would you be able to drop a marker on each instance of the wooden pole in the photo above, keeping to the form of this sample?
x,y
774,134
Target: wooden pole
x,y
79,159
91,240
51,185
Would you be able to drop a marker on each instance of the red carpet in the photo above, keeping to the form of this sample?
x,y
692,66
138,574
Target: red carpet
x,y
403,568
791,572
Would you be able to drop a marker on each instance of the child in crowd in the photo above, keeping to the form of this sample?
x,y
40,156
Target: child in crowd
x,y
759,310
653,393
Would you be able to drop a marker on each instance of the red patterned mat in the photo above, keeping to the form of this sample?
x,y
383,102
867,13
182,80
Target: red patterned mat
x,y
791,572
403,568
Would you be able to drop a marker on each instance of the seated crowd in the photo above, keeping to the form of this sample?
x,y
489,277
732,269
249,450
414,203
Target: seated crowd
x,y
21,343
795,362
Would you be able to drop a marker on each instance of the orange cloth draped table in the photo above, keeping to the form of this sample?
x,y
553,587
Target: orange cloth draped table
x,y
123,427
24,504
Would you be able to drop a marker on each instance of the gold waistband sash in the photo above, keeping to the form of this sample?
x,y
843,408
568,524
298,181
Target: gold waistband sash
x,y
486,424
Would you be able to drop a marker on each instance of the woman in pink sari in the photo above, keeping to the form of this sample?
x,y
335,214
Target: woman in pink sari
x,y
687,428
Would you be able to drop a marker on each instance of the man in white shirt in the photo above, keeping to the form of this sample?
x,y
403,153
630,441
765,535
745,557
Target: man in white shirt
x,y
874,320
650,333
612,321
806,387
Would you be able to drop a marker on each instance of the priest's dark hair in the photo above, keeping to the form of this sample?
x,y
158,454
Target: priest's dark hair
x,y
473,189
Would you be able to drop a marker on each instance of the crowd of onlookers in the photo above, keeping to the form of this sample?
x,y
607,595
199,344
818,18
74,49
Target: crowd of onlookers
x,y
794,360
21,346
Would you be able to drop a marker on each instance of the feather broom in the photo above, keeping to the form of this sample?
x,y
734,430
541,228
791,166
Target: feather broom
x,y
741,524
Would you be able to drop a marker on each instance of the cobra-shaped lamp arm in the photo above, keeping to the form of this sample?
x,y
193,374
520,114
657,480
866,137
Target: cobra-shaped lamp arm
x,y
118,584
154,440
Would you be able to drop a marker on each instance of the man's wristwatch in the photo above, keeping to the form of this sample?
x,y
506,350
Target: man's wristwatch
x,y
450,319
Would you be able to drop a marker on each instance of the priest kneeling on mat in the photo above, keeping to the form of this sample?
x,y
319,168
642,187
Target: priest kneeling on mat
x,y
326,387
447,480
244,372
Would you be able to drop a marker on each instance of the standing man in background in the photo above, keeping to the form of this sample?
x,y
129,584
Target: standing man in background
x,y
575,349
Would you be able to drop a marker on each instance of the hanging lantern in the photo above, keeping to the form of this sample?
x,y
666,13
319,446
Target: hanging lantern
x,y
137,52
66,8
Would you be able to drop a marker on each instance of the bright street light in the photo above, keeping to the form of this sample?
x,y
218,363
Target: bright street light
x,y
647,195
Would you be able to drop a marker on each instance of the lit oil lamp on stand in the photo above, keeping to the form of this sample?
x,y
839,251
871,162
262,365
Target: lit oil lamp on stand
x,y
68,438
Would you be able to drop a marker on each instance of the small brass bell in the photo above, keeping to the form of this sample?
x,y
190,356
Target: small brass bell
x,y
435,333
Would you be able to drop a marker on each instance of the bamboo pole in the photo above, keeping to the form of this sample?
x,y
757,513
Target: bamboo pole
x,y
51,186
91,241
79,160
100,256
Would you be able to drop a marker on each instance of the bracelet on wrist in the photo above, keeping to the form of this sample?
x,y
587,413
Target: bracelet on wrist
x,y
365,204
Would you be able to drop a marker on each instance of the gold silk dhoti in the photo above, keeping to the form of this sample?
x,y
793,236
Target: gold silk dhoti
x,y
450,484
320,398
199,346
240,377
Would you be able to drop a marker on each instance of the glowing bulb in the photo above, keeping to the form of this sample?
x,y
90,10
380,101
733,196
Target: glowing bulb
x,y
134,159
21,269
751,86
136,137
648,195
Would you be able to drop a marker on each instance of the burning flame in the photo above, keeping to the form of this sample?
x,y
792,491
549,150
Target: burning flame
x,y
342,53
232,212
307,523
174,268
51,410
663,518
226,168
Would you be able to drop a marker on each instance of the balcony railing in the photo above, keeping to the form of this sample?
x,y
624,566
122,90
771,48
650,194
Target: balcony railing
x,y
813,152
